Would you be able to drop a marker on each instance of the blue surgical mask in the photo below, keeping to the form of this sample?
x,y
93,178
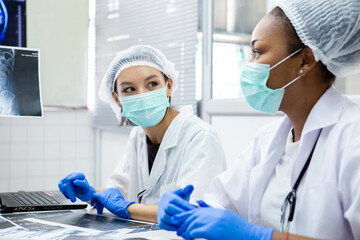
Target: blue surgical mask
x,y
146,109
253,84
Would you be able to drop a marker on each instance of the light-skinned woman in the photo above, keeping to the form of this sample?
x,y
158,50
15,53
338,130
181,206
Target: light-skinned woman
x,y
165,150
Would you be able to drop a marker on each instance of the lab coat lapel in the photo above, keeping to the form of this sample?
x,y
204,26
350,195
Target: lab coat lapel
x,y
319,118
143,161
271,149
169,140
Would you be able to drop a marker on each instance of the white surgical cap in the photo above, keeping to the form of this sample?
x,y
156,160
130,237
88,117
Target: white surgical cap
x,y
140,55
331,28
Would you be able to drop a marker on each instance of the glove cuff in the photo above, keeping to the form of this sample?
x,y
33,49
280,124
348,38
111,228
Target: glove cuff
x,y
266,233
125,214
259,233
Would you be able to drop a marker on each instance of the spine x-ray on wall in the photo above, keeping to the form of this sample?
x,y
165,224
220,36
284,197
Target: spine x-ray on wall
x,y
20,93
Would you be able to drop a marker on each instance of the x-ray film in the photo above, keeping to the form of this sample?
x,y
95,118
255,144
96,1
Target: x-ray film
x,y
20,93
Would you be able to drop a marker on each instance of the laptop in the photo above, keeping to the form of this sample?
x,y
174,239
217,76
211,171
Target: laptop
x,y
24,201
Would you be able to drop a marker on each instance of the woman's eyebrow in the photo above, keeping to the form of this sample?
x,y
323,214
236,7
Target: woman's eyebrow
x,y
146,79
150,77
254,41
125,83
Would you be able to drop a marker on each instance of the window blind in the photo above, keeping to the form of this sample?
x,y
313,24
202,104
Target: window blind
x,y
169,25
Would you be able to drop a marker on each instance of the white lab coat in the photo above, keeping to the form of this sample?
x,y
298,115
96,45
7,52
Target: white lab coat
x,y
328,197
190,153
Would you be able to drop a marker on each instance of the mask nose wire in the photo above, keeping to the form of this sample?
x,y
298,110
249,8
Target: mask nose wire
x,y
286,58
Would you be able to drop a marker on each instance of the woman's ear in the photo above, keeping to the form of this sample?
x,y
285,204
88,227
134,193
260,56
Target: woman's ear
x,y
169,87
308,62
116,99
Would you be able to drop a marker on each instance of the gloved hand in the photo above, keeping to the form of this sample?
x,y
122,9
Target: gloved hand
x,y
112,200
75,186
211,223
172,203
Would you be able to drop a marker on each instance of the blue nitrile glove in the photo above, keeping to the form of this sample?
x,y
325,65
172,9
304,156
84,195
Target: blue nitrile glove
x,y
202,203
211,223
113,201
75,186
172,203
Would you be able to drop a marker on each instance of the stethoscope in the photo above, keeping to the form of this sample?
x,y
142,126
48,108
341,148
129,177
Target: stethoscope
x,y
291,197
140,195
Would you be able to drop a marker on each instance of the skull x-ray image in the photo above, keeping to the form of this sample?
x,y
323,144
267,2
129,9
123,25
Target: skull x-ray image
x,y
19,82
13,23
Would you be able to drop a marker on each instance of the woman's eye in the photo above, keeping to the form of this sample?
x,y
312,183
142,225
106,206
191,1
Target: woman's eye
x,y
153,84
255,54
128,90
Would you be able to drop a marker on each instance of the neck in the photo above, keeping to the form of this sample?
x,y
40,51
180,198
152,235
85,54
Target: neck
x,y
298,120
157,132
301,108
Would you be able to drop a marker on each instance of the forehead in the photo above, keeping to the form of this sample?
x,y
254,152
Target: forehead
x,y
270,30
137,73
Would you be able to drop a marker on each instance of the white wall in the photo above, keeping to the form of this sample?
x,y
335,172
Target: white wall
x,y
59,28
35,153
112,148
236,132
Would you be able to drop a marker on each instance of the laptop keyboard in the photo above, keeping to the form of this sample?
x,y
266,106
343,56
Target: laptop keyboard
x,y
33,198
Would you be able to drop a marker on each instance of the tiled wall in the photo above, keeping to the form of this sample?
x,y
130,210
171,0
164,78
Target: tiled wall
x,y
35,153
112,148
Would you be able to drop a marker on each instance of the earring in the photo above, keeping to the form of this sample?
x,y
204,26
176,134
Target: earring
x,y
301,71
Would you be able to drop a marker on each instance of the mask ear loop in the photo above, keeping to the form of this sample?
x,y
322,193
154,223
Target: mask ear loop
x,y
286,58
284,61
291,82
119,101
117,96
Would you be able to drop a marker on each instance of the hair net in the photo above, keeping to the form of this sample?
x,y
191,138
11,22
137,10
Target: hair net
x,y
140,55
331,28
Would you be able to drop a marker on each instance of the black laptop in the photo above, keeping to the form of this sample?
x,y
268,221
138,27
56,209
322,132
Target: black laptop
x,y
24,201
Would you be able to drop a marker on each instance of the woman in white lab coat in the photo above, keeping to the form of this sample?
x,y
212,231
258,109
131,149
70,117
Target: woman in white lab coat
x,y
166,149
301,174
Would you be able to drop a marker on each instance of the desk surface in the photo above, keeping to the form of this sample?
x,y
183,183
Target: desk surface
x,y
77,224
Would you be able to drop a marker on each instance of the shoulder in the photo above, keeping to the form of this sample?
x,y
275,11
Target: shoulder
x,y
347,113
342,140
267,132
271,126
136,133
348,123
194,126
350,113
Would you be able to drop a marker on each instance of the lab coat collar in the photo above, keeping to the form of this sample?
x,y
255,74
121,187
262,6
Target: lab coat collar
x,y
271,150
171,135
169,140
326,111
